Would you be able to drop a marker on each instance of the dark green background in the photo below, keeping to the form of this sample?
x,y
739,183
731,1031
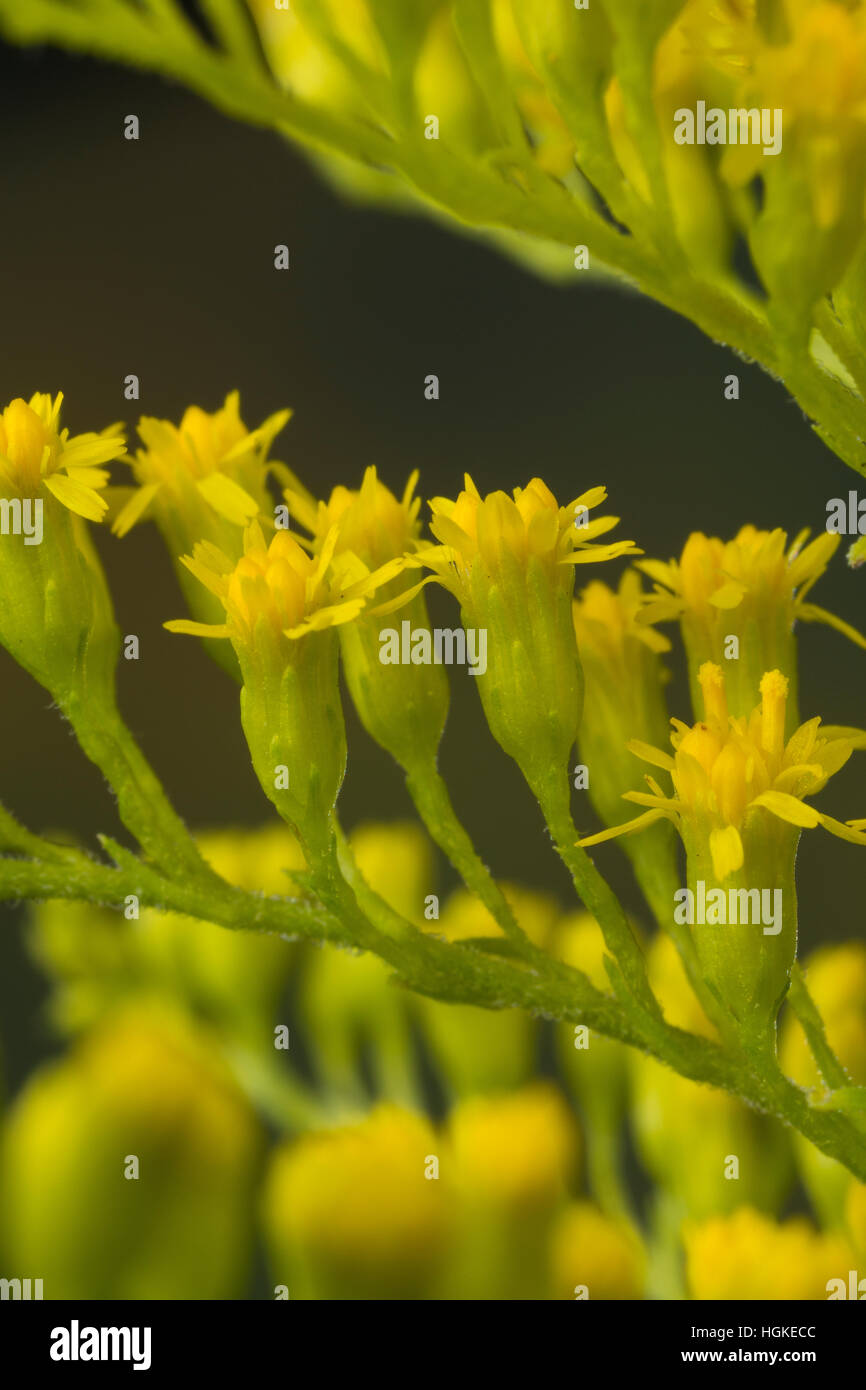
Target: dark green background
x,y
156,258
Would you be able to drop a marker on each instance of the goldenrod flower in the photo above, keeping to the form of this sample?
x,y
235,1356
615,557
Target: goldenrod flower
x,y
753,589
519,1150
749,1256
350,1212
280,605
56,615
145,1087
210,459
35,453
739,805
817,77
280,584
402,705
509,561
624,681
728,773
494,533
590,1251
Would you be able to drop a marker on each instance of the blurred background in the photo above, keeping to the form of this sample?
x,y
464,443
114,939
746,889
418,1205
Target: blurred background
x,y
155,257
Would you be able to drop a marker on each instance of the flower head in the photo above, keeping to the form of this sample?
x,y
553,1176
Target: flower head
x,y
370,521
348,1214
210,459
752,588
729,774
279,583
497,533
36,453
624,682
510,562
402,706
281,606
749,1255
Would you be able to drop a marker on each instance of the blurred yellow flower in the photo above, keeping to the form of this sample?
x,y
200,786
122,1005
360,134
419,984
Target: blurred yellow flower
x,y
352,1212
519,1150
591,1252
128,1167
749,1256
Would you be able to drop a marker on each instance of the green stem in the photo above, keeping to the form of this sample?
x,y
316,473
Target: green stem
x,y
444,970
595,893
142,803
429,792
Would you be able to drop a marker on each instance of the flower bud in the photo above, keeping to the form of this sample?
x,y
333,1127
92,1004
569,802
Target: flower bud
x,y
402,703
510,564
738,602
738,802
280,607
128,1168
56,615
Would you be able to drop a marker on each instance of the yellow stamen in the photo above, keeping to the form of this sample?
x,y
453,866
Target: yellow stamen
x,y
774,694
713,687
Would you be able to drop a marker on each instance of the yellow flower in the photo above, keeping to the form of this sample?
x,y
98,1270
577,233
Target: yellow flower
x,y
727,773
35,452
509,561
349,1212
749,1256
738,805
210,458
519,1150
591,1251
464,916
403,706
818,78
753,588
495,533
370,521
624,681
148,1085
281,606
280,584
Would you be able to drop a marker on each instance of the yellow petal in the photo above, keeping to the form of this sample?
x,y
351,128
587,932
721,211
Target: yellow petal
x,y
192,629
788,808
135,508
726,849
810,613
844,832
730,595
326,617
228,498
629,827
856,737
78,498
648,754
